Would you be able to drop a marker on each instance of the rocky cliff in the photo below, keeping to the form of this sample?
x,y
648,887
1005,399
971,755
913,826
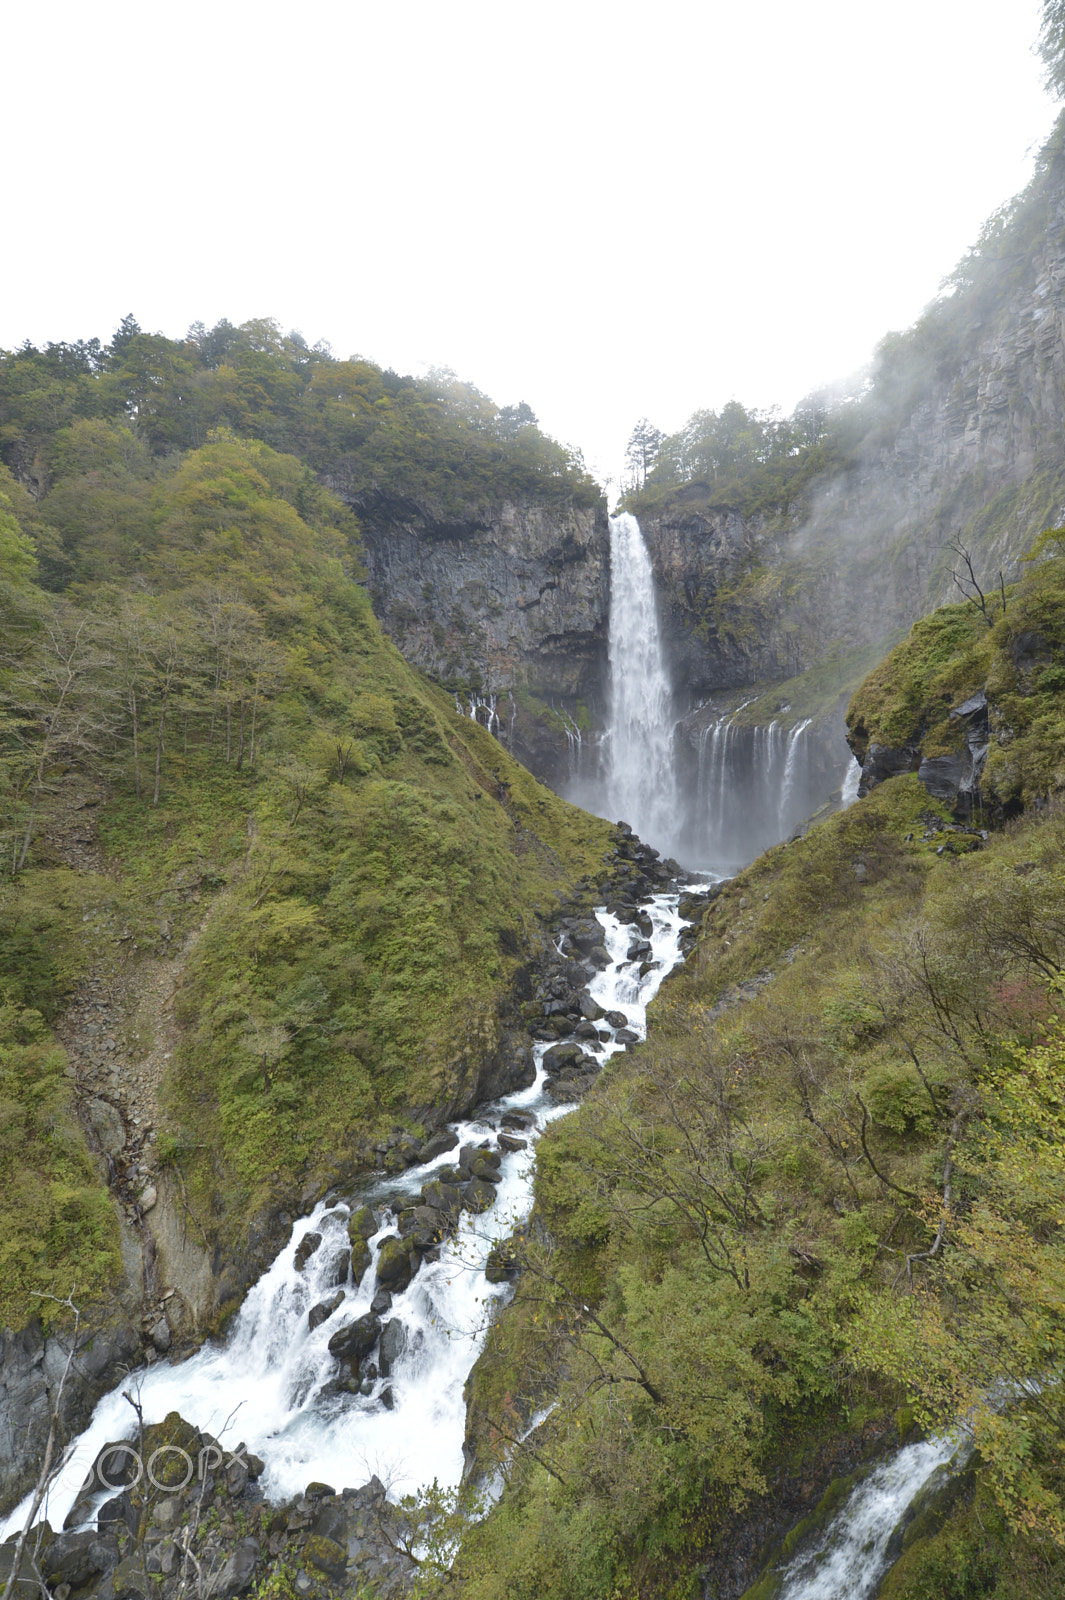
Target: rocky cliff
x,y
957,443
509,605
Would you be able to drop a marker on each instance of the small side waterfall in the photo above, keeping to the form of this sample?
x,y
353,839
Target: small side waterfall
x,y
847,1560
642,783
747,786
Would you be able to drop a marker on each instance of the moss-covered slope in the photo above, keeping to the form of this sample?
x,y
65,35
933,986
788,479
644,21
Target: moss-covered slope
x,y
347,872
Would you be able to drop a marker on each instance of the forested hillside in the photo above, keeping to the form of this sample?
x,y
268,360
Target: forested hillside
x,y
296,890
823,1204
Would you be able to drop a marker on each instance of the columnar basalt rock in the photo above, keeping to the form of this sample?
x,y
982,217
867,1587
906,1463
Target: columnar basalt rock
x,y
514,597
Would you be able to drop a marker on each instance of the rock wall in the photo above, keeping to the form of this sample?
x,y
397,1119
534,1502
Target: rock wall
x,y
514,599
964,441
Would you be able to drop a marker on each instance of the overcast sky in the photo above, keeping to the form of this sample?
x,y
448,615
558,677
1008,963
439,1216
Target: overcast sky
x,y
605,209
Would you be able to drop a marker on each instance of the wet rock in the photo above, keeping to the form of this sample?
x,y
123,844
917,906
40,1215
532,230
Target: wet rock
x,y
517,1119
393,1345
562,1057
323,1311
337,1274
503,1262
586,1030
599,956
478,1195
359,1337
388,1399
441,1196
394,1266
362,1224
627,1036
589,1009
509,1142
306,1248
76,1558
440,1142
381,1302
616,1019
485,1164
120,1511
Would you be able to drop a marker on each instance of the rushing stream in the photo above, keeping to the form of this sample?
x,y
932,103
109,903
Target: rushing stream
x,y
273,1378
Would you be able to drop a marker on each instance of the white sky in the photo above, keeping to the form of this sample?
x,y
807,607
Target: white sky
x,y
603,208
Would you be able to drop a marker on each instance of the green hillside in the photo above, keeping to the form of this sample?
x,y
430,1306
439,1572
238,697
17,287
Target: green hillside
x,y
354,868
823,1204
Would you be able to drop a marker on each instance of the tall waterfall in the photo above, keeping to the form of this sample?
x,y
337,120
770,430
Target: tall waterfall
x,y
642,785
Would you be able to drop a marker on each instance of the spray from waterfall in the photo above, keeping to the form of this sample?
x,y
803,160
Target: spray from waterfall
x,y
642,784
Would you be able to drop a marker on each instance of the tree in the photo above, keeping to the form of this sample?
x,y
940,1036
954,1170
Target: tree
x,y
645,441
981,1335
1051,46
510,420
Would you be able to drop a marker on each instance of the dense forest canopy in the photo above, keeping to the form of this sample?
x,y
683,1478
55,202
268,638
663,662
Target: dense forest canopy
x,y
84,422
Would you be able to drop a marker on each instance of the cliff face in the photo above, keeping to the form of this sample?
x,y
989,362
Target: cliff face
x,y
963,440
516,598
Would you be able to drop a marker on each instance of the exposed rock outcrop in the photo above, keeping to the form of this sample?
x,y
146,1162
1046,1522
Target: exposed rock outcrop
x,y
513,599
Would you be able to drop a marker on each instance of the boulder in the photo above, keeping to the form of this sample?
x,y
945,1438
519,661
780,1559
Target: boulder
x,y
589,1009
440,1142
327,1557
355,1341
599,956
238,1573
76,1558
394,1265
381,1302
362,1224
478,1195
393,1344
586,1030
503,1262
107,1125
561,1057
517,1119
509,1142
443,1197
616,1019
323,1310
485,1164
627,1036
305,1249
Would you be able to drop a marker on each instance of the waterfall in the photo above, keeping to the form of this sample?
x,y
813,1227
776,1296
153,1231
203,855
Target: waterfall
x,y
482,709
848,1558
274,1374
788,785
642,785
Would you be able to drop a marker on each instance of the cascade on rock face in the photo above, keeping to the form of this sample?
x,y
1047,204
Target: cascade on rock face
x,y
642,783
849,1557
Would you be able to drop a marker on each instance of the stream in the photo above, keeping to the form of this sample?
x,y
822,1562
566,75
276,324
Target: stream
x,y
273,1382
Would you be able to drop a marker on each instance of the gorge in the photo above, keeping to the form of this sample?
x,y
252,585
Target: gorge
x,y
363,784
